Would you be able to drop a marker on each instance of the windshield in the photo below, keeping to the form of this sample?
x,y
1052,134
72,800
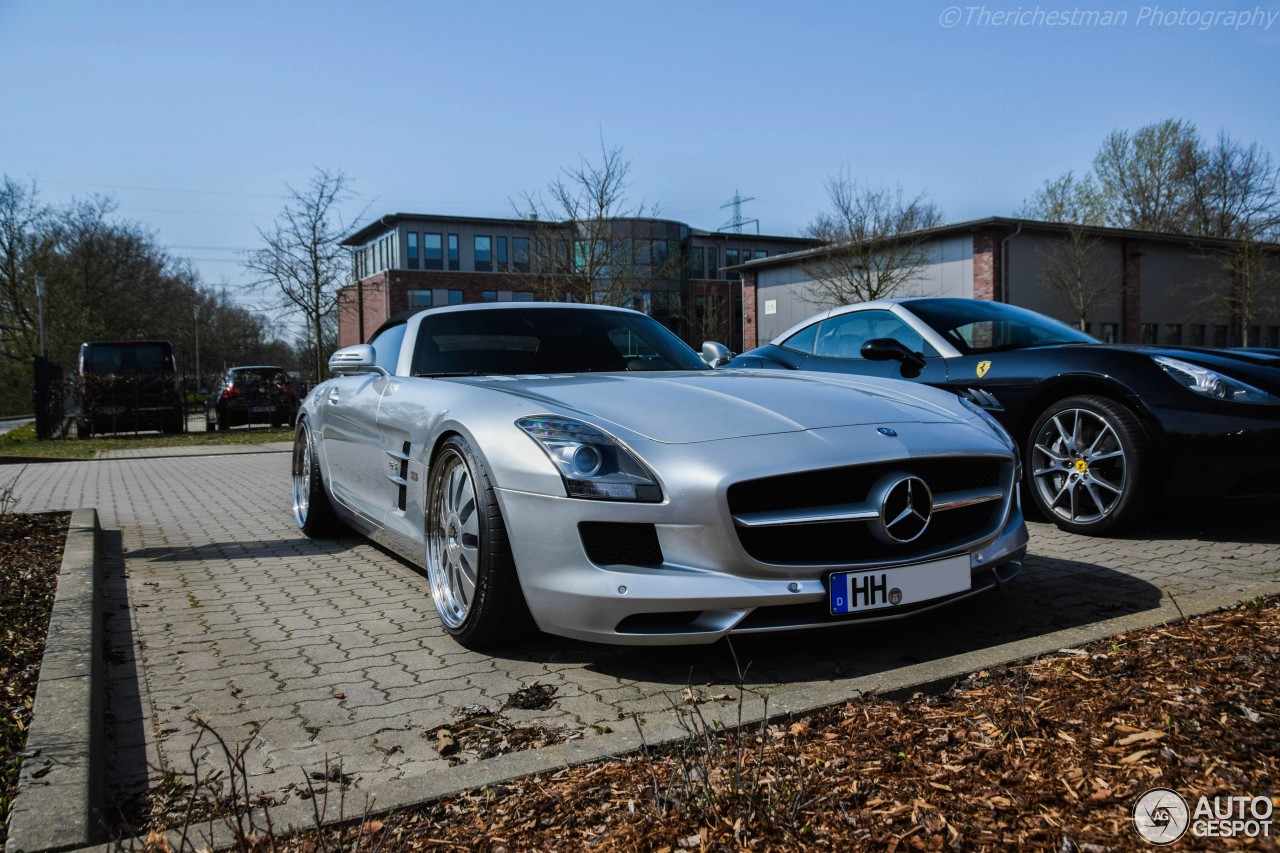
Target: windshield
x,y
977,326
126,357
546,340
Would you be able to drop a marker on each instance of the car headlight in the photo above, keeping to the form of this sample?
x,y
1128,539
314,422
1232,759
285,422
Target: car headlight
x,y
995,425
592,463
1210,383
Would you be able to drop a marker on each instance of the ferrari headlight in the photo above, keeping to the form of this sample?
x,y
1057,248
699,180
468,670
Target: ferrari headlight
x,y
592,463
995,425
1210,383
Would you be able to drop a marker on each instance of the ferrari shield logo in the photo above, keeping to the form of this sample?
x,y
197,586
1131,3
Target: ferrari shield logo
x,y
983,367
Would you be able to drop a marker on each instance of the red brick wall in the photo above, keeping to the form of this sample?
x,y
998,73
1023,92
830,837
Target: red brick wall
x,y
1131,293
750,330
986,264
373,293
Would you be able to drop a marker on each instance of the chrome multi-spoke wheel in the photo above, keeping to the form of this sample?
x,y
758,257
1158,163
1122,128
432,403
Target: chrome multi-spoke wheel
x,y
453,538
312,511
469,565
1085,458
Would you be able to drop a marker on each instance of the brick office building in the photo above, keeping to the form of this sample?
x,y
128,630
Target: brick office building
x,y
407,260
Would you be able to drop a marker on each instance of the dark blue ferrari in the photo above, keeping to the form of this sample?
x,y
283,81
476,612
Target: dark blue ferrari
x,y
1107,431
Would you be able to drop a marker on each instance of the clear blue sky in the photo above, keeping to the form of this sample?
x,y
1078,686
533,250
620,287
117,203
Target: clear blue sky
x,y
195,115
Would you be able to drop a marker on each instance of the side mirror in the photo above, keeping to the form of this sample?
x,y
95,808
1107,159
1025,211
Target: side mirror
x,y
353,360
716,354
885,349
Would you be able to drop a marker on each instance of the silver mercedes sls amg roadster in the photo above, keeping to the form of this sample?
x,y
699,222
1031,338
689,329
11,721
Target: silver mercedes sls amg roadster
x,y
582,469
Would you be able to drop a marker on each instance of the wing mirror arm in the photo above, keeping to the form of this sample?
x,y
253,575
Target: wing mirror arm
x,y
886,349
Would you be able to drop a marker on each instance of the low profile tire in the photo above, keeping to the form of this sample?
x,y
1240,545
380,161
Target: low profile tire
x,y
312,511
209,426
84,430
469,563
1090,465
223,424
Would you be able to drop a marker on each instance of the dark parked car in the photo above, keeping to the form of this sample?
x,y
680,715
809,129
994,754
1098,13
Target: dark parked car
x,y
1106,430
254,394
126,386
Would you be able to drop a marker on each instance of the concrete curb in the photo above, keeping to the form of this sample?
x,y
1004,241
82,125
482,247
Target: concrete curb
x,y
60,792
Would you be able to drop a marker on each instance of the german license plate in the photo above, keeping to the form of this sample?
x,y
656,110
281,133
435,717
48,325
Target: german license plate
x,y
111,410
257,409
857,592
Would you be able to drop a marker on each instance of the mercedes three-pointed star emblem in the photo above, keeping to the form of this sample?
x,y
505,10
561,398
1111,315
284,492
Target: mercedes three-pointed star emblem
x,y
906,505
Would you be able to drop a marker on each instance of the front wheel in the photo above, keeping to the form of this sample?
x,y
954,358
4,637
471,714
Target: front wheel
x,y
312,511
469,563
1089,464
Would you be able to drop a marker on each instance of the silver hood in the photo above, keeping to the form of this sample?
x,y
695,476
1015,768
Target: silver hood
x,y
686,408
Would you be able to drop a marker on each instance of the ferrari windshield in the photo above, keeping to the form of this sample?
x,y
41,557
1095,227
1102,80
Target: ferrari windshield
x,y
543,339
978,326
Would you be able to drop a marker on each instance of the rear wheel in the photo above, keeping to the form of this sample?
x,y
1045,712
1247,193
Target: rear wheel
x,y
312,511
84,429
469,563
1089,464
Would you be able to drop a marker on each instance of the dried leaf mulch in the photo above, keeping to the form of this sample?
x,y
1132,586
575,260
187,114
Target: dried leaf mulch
x,y
30,555
1049,754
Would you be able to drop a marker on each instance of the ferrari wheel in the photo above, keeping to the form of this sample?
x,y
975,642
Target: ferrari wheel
x,y
469,563
312,511
1088,459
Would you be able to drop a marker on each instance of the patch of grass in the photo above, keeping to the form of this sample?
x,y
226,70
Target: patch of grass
x,y
23,442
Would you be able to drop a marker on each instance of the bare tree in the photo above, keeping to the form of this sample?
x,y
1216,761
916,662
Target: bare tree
x,y
873,242
301,260
1067,199
1143,177
586,245
26,243
1072,268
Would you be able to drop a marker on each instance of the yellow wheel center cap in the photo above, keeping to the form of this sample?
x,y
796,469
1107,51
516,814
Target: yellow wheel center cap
x,y
1081,466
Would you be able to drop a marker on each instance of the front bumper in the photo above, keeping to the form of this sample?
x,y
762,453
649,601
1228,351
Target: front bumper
x,y
705,588
1217,451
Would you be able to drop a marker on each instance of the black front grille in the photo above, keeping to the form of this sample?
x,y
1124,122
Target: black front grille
x,y
851,483
609,543
851,542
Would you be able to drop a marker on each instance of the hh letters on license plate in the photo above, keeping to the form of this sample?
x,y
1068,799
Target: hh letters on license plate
x,y
856,592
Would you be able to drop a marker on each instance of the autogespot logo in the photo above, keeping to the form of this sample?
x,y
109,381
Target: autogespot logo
x,y
1161,816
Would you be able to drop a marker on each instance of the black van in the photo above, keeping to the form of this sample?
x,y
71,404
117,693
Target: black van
x,y
129,385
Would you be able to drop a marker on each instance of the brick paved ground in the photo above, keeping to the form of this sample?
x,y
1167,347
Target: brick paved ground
x,y
332,650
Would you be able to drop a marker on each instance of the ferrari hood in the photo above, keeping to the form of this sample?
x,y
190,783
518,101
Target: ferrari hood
x,y
678,408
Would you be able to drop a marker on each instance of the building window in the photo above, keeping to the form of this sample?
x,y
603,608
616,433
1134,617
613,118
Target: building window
x,y
455,297
713,262
1255,337
502,254
432,253
522,296
1149,333
1273,337
520,254
489,295
411,241
1110,333
697,262
1219,336
1173,333
1197,336
484,253
730,257
760,253
454,263
419,298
